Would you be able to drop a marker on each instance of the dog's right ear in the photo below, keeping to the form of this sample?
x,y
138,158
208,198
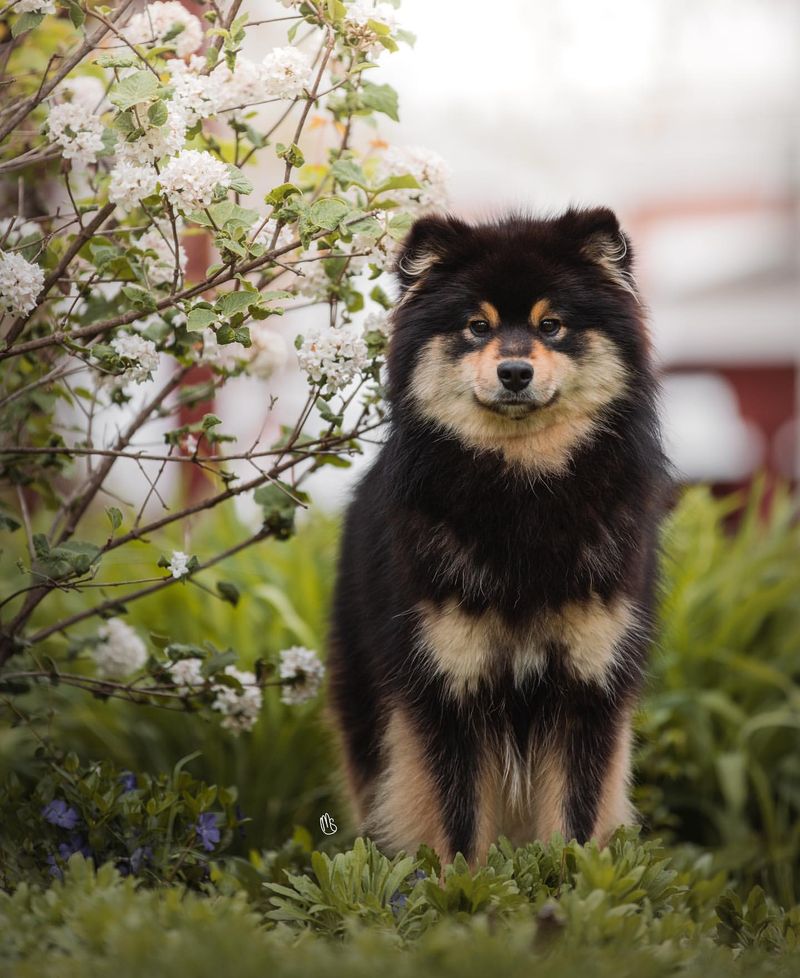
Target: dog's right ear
x,y
432,240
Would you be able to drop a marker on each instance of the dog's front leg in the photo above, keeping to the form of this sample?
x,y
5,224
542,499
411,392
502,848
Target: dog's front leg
x,y
436,788
583,777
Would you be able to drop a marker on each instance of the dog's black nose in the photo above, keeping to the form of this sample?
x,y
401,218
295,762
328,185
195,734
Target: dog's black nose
x,y
515,375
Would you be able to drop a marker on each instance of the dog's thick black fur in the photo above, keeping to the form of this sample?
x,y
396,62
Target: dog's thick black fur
x,y
493,606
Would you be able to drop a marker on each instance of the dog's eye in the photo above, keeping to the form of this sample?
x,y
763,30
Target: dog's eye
x,y
480,327
549,326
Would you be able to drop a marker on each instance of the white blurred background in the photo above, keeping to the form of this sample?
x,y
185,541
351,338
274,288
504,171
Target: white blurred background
x,y
682,115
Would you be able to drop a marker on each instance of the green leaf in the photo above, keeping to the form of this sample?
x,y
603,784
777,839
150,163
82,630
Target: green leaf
x,y
114,516
279,502
210,421
327,212
380,98
142,86
76,15
225,214
348,172
278,194
8,523
157,113
199,318
404,182
228,592
399,226
238,181
125,59
26,22
233,302
139,298
291,153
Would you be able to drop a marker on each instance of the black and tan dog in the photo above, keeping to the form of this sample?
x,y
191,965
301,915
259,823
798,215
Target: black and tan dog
x,y
495,590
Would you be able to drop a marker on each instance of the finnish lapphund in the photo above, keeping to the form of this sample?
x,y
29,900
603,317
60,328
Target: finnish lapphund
x,y
495,592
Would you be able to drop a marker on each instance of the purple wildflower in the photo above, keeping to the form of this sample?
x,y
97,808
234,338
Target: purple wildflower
x,y
55,869
398,902
140,857
207,831
128,781
76,844
59,813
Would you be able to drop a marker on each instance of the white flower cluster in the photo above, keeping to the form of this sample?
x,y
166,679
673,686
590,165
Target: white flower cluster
x,y
284,73
264,237
159,19
304,672
77,130
268,352
313,283
366,250
266,355
223,357
21,282
162,270
189,179
130,183
187,675
120,650
377,322
156,141
357,18
142,352
240,709
85,90
334,355
179,564
429,169
197,94
35,7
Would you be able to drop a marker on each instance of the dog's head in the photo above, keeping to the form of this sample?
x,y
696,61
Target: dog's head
x,y
516,336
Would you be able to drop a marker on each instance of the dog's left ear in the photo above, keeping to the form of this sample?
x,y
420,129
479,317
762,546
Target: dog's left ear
x,y
596,234
432,240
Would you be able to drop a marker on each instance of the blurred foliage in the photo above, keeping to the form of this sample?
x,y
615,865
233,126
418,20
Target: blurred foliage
x,y
625,911
719,733
285,770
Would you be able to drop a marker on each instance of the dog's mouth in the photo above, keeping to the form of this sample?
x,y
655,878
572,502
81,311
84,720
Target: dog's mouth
x,y
516,408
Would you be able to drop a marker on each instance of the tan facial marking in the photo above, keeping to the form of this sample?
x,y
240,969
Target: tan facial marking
x,y
490,314
540,310
482,364
542,442
407,807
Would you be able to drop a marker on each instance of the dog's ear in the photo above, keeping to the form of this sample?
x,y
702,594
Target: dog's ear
x,y
596,235
432,240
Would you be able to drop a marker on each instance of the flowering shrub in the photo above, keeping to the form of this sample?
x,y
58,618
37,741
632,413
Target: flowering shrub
x,y
141,135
